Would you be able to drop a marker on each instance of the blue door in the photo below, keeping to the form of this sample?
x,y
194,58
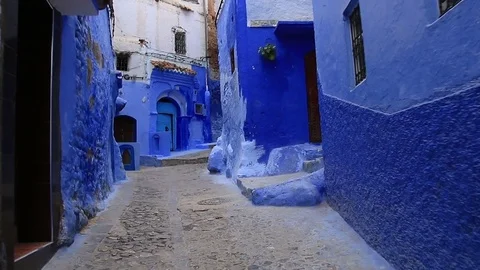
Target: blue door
x,y
167,120
128,157
165,123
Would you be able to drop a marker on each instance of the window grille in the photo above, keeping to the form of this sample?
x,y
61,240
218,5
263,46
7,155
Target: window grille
x,y
357,44
122,61
180,43
232,60
446,5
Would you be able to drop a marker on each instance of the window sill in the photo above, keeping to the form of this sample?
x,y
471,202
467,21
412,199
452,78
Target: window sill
x,y
358,85
446,14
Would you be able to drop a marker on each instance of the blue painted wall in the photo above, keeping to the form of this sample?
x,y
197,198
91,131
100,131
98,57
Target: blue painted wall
x,y
183,91
412,55
401,157
275,91
215,108
233,103
90,155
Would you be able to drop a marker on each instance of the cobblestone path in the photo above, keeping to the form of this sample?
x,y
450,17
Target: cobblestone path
x,y
182,218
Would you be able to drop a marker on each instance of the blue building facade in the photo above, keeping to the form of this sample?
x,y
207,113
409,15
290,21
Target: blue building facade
x,y
88,89
400,92
267,100
171,112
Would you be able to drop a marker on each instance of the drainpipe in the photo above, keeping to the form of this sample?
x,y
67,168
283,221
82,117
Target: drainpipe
x,y
207,92
205,9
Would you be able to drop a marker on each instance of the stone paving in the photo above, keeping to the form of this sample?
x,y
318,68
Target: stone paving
x,y
183,218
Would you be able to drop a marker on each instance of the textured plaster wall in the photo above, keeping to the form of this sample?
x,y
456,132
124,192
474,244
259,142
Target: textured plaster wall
x,y
215,108
401,156
233,103
408,182
275,91
282,10
408,50
154,22
87,105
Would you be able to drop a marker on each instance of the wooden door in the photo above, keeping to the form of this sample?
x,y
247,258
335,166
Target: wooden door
x,y
165,123
313,105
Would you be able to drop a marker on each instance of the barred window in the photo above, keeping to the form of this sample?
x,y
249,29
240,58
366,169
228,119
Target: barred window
x,y
446,5
232,60
180,43
357,44
122,61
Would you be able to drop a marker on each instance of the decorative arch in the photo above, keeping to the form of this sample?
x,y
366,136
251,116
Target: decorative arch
x,y
178,98
125,128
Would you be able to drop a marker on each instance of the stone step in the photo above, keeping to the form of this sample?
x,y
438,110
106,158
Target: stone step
x,y
248,185
298,189
182,161
311,166
206,146
188,157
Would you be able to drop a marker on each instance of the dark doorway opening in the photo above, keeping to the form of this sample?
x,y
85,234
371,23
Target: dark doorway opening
x,y
125,129
33,207
313,106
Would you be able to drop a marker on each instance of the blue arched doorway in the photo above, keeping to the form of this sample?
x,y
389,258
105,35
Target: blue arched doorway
x,y
167,110
125,131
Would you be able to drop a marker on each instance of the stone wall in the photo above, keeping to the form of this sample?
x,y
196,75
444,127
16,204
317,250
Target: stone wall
x,y
87,108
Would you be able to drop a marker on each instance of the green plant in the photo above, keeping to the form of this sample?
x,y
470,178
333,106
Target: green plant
x,y
268,51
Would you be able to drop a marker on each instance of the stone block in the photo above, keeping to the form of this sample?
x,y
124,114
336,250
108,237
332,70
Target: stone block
x,y
305,191
216,160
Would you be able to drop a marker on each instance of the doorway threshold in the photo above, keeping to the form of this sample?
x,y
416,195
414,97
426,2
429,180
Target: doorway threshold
x,y
33,255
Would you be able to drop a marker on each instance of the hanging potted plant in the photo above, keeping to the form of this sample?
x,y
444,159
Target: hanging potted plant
x,y
268,51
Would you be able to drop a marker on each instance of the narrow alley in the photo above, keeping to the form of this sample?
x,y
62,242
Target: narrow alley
x,y
183,218
239,134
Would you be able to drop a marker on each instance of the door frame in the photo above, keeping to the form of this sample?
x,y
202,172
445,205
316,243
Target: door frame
x,y
313,102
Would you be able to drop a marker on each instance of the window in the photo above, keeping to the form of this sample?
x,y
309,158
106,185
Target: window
x,y
199,109
125,129
232,59
357,44
446,5
122,61
180,43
